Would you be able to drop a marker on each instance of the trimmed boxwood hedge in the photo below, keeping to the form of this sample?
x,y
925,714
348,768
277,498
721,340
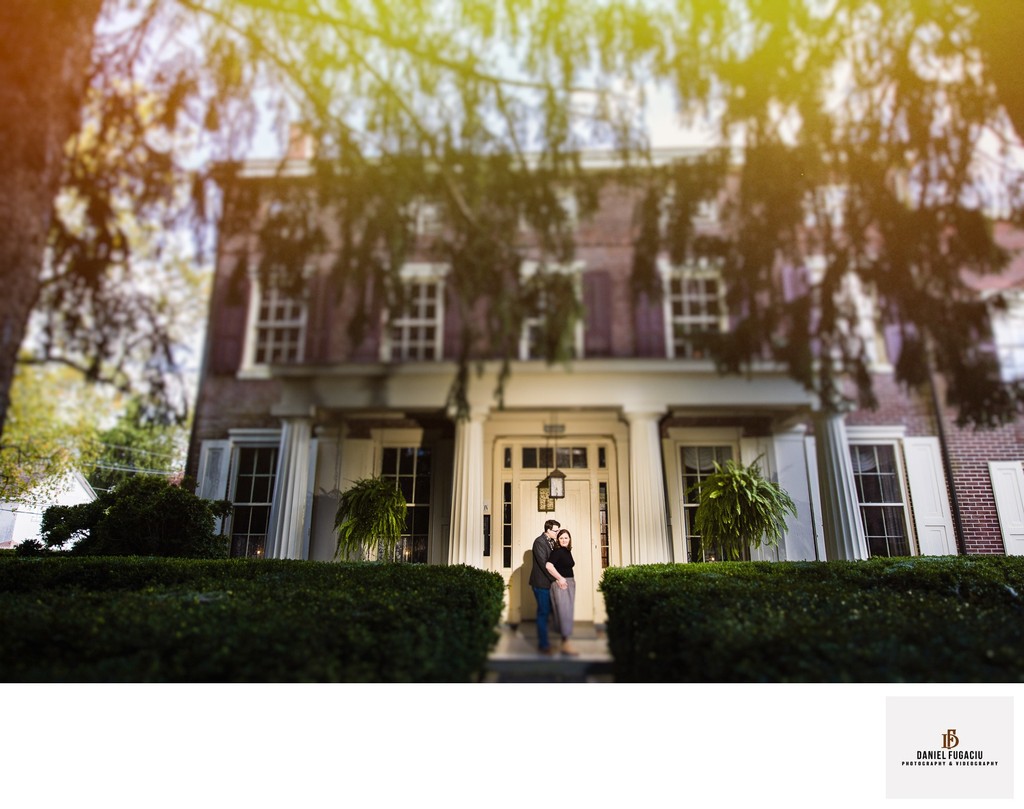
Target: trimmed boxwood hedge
x,y
928,619
176,620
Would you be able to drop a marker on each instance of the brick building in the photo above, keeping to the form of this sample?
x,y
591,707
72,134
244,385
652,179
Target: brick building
x,y
291,410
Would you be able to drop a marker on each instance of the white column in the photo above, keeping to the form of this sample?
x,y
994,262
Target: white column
x,y
287,528
466,538
648,522
840,514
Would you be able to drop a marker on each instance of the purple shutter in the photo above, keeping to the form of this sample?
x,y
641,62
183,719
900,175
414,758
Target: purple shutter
x,y
318,319
452,324
649,326
597,324
227,325
893,341
368,349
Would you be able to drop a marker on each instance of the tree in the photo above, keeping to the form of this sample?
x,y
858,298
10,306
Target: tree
x,y
377,79
372,78
864,128
860,123
52,429
139,443
42,84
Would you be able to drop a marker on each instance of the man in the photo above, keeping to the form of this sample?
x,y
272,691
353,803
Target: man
x,y
540,581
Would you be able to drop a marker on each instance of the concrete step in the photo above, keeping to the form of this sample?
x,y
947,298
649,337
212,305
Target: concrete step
x,y
515,658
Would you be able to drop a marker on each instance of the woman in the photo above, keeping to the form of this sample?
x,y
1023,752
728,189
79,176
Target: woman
x,y
563,594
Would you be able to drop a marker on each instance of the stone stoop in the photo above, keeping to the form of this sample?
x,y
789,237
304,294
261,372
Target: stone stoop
x,y
515,658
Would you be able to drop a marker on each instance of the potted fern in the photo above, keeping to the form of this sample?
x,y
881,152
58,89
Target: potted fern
x,y
739,508
370,519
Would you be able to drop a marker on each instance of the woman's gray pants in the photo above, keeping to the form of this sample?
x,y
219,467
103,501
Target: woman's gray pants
x,y
562,605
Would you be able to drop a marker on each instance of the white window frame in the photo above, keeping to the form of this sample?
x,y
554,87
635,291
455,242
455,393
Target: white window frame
x,y
528,270
1008,335
251,439
416,273
254,324
892,437
703,269
677,438
426,216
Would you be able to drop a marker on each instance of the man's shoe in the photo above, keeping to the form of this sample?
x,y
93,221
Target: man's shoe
x,y
548,652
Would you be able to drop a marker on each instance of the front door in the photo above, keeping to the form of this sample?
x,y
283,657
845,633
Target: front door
x,y
577,512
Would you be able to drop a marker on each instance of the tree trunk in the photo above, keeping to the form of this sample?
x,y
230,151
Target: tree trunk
x,y
45,49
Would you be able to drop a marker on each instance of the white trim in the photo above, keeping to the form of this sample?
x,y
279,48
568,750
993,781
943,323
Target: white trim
x,y
884,436
703,269
575,269
249,367
420,272
255,435
675,438
871,434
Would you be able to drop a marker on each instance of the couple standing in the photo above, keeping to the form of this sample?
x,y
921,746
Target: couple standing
x,y
553,585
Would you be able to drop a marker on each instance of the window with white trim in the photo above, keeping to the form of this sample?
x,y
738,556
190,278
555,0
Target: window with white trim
x,y
279,320
252,495
544,325
1008,331
694,307
410,469
415,329
878,479
697,463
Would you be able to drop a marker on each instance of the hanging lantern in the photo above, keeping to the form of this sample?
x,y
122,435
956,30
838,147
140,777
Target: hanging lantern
x,y
556,484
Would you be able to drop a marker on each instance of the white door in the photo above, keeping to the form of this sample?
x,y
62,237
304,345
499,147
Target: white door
x,y
1008,490
575,512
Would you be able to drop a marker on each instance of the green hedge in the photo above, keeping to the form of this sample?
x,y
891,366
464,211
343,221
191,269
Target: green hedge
x,y
176,620
934,619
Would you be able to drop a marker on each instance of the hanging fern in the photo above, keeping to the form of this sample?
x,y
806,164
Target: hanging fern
x,y
739,508
370,518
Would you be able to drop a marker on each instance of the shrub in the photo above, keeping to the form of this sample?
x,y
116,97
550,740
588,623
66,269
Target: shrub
x,y
242,620
143,516
926,619
31,547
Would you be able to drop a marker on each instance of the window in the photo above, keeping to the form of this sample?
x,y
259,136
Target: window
x,y
880,494
410,468
506,525
416,330
252,499
280,325
550,457
553,293
697,464
602,512
694,307
427,217
1008,330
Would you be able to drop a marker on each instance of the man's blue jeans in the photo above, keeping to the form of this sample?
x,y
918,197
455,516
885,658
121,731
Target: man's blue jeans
x,y
543,611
